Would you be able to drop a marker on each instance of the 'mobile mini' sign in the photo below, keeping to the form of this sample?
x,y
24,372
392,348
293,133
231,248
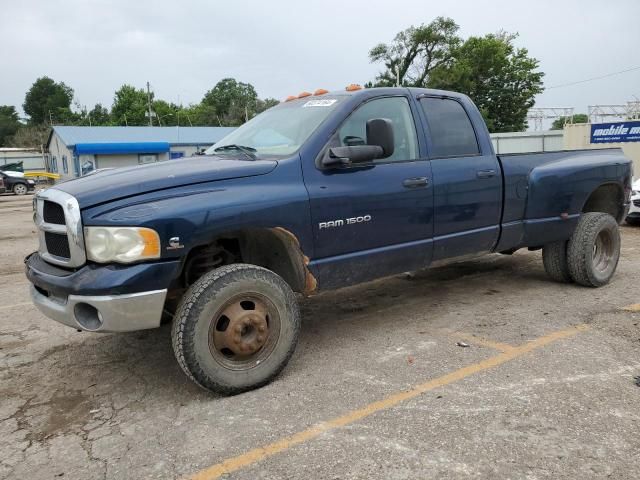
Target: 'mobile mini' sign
x,y
615,132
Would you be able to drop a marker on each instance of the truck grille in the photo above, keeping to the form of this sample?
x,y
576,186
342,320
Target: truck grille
x,y
57,216
636,203
53,213
57,244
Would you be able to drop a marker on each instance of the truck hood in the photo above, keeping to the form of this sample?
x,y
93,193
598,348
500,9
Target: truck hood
x,y
109,185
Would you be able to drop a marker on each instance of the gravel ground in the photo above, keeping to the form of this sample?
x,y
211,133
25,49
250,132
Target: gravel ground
x,y
84,406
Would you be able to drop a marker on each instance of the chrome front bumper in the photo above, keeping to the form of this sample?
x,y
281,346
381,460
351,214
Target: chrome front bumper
x,y
105,313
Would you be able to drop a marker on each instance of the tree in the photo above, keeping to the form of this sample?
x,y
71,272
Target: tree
x,y
266,104
559,123
98,116
9,123
30,136
502,80
130,106
48,101
233,102
415,53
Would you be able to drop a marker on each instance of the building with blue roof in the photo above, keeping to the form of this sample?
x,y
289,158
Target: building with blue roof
x,y
75,151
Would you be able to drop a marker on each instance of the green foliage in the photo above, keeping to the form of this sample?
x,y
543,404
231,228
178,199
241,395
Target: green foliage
x,y
559,123
9,123
29,136
99,116
48,101
502,80
233,102
130,106
265,104
415,52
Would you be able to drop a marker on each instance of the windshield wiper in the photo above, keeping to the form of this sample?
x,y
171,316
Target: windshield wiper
x,y
248,151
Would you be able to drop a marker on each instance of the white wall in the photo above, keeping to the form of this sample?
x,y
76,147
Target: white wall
x,y
58,150
525,142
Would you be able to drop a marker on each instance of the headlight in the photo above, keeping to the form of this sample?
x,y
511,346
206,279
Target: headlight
x,y
634,192
31,182
121,244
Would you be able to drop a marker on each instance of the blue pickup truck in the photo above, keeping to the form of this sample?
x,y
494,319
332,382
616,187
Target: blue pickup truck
x,y
322,191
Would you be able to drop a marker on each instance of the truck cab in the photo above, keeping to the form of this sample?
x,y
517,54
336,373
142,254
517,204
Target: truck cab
x,y
322,191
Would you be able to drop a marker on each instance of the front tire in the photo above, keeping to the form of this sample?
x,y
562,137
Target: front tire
x,y
20,189
236,328
635,221
594,249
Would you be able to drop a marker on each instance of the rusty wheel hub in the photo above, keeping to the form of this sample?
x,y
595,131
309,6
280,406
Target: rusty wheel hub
x,y
241,329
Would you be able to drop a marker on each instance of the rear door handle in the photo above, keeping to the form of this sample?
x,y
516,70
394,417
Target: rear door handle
x,y
485,173
415,182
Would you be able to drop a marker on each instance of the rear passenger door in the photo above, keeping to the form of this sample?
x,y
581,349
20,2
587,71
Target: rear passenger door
x,y
467,182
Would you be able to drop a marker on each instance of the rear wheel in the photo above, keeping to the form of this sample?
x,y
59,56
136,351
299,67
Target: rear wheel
x,y
236,328
20,189
594,249
554,258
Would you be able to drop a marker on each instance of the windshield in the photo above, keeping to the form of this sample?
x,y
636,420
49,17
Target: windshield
x,y
281,130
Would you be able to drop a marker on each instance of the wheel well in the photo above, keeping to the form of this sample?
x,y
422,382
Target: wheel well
x,y
607,199
275,249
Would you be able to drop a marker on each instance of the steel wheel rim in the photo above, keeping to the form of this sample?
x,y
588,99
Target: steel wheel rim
x,y
20,189
244,331
603,253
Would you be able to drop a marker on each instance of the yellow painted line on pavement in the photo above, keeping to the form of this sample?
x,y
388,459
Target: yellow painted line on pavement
x,y
234,464
632,308
485,342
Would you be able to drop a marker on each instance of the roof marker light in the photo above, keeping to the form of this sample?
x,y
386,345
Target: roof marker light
x,y
290,97
353,87
304,94
320,91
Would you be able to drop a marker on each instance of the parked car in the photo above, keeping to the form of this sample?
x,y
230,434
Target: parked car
x,y
319,192
634,211
17,183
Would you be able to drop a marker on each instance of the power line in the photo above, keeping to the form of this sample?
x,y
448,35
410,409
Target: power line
x,y
594,78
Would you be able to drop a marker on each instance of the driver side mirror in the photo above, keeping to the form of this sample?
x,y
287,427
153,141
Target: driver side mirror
x,y
380,144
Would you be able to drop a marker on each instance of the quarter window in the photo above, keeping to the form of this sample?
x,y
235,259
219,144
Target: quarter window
x,y
452,134
353,130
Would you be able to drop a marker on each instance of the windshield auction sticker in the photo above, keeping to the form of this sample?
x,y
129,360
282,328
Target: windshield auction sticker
x,y
320,103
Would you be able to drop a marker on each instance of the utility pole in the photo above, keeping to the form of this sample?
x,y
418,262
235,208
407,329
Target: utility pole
x,y
149,104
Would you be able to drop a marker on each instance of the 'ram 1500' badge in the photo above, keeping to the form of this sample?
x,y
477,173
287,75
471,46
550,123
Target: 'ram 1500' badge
x,y
346,221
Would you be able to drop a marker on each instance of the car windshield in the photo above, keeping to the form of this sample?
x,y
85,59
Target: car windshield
x,y
279,131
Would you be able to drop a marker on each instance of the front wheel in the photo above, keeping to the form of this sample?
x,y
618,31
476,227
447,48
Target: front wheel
x,y
236,328
20,189
594,249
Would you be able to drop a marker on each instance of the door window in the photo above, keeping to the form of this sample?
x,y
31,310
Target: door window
x,y
452,134
353,130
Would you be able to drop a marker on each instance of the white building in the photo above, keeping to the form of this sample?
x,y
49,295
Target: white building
x,y
75,151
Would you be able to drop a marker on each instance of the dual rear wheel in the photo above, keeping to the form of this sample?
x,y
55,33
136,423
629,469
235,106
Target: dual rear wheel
x,y
590,256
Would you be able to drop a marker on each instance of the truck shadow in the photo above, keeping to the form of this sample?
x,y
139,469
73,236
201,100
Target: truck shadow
x,y
133,368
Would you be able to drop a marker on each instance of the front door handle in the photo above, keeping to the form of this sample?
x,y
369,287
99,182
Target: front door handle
x,y
415,182
486,173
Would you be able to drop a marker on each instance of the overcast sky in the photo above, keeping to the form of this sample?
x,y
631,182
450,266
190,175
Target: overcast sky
x,y
283,47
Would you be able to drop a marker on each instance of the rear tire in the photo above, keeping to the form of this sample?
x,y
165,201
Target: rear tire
x,y
554,258
594,249
236,328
